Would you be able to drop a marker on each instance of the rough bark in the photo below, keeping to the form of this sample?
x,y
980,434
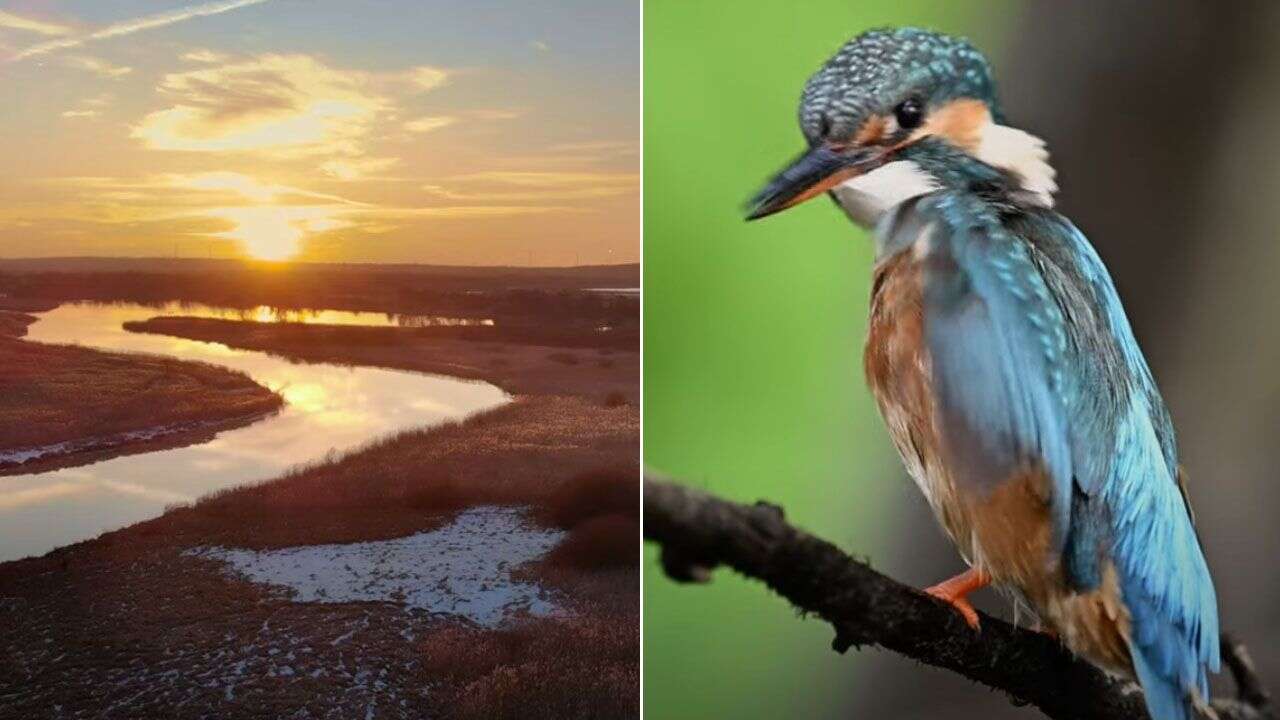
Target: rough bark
x,y
698,532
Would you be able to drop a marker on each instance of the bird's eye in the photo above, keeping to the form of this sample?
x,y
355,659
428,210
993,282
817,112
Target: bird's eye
x,y
909,113
824,126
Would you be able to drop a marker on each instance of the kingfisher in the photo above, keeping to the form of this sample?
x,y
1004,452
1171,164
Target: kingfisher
x,y
1004,365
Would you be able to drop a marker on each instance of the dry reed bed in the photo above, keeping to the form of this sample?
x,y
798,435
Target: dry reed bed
x,y
145,630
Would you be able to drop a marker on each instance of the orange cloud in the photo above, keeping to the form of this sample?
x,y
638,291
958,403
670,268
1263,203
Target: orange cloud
x,y
598,147
290,103
244,185
512,186
427,124
552,179
204,56
357,168
496,114
97,66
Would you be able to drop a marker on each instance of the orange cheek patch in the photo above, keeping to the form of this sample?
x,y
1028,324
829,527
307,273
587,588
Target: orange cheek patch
x,y
959,122
871,132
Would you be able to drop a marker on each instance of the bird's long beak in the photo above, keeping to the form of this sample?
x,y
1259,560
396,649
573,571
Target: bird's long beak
x,y
811,174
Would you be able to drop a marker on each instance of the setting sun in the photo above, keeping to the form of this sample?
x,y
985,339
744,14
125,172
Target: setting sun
x,y
269,232
266,233
271,248
193,142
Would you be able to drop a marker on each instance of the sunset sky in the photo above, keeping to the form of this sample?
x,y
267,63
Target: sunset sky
x,y
435,131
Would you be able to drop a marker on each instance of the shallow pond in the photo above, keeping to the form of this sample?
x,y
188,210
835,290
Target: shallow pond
x,y
328,409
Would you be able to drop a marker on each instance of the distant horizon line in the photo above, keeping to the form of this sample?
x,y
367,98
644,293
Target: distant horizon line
x,y
254,261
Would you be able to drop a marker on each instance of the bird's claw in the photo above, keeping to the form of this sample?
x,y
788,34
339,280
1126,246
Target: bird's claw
x,y
962,606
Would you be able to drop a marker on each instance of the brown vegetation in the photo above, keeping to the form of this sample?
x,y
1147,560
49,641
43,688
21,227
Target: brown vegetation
x,y
57,393
14,324
592,494
130,600
602,541
600,511
137,620
522,453
540,671
531,301
518,368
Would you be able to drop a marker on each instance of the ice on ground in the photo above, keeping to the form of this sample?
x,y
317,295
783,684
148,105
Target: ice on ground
x,y
25,455
462,569
22,456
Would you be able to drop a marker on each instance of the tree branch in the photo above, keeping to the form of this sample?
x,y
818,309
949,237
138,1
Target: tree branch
x,y
698,532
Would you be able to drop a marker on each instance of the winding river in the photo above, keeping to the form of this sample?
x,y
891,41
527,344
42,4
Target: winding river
x,y
328,409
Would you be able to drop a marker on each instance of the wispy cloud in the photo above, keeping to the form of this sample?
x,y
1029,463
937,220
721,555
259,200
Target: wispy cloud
x,y
168,190
496,114
517,186
616,147
427,124
247,186
460,211
128,27
357,168
430,123
16,22
97,66
203,55
291,104
426,77
301,149
551,179
88,107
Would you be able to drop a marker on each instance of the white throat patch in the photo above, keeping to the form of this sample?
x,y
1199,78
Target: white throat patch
x,y
866,198
1023,154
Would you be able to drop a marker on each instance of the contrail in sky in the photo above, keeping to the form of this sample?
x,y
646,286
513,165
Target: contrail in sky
x,y
16,22
128,27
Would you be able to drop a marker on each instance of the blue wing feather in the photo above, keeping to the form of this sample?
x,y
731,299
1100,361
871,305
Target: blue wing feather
x,y
1166,580
1034,359
995,341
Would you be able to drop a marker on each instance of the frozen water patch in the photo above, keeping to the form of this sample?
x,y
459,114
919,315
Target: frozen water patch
x,y
462,569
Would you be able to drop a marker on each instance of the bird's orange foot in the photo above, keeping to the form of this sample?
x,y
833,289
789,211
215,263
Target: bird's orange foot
x,y
961,605
953,593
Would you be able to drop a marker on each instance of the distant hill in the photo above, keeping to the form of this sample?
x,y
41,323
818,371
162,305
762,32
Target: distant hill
x,y
442,276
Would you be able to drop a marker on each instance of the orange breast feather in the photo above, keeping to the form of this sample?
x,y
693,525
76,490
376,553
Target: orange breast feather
x,y
1005,531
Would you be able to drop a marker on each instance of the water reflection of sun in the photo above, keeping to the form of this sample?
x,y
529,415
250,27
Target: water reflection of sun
x,y
310,397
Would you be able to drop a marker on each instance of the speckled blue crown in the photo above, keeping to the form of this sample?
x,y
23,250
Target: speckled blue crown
x,y
877,70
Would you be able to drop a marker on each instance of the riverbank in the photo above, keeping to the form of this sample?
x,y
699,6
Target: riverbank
x,y
175,632
539,299
493,354
62,405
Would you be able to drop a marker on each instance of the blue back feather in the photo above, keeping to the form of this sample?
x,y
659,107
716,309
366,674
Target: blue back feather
x,y
1034,361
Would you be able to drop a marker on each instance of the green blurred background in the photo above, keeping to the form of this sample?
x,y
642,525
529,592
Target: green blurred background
x,y
753,338
1162,128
